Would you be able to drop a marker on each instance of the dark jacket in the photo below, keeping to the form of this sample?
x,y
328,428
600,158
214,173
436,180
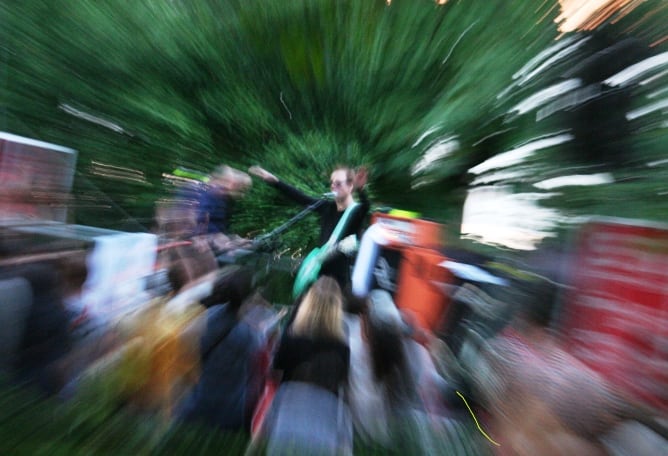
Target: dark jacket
x,y
216,209
225,394
328,212
322,362
338,265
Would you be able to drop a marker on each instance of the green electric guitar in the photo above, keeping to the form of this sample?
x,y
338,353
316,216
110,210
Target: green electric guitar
x,y
311,265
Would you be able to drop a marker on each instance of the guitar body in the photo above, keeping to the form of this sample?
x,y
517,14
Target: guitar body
x,y
310,267
308,271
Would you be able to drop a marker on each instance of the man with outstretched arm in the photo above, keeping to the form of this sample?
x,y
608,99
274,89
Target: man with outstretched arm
x,y
344,182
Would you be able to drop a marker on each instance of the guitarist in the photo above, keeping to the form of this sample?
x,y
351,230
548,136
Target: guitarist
x,y
344,182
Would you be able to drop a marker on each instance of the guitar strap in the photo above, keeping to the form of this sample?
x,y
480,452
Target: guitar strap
x,y
334,238
308,271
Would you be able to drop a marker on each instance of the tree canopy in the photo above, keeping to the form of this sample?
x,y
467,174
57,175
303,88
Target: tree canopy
x,y
420,92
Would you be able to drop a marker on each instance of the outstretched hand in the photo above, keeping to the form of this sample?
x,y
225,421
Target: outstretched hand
x,y
262,174
361,176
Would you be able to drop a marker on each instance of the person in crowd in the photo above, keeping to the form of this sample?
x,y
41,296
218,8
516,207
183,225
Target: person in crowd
x,y
44,339
188,263
308,414
228,388
166,363
391,376
92,336
313,349
202,210
380,387
344,182
216,202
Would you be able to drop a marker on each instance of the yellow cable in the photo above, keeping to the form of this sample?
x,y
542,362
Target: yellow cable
x,y
476,421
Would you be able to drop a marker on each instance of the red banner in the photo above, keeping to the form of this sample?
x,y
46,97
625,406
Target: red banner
x,y
616,317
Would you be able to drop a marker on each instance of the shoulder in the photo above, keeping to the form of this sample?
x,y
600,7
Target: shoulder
x,y
338,345
243,330
353,325
216,312
204,198
318,342
217,320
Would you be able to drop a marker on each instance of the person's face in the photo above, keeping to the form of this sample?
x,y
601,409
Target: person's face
x,y
339,184
233,186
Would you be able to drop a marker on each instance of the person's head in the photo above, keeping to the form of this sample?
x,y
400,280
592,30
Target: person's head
x,y
74,272
534,308
383,313
341,182
233,288
186,264
353,304
321,311
230,181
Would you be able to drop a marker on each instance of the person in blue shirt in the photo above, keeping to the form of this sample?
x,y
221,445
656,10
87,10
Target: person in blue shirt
x,y
216,200
229,349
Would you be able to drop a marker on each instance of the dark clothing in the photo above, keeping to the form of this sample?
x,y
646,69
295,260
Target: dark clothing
x,y
45,337
225,396
339,265
214,207
322,362
307,419
329,214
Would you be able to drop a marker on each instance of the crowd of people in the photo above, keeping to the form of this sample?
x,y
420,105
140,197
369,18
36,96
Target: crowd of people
x,y
341,365
333,371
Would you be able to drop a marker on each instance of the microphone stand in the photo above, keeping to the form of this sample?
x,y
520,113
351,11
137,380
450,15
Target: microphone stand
x,y
285,226
224,258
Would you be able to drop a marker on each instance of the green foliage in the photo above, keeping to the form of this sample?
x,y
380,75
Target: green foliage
x,y
32,425
296,86
244,82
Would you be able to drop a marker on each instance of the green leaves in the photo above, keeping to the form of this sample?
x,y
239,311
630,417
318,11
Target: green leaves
x,y
296,86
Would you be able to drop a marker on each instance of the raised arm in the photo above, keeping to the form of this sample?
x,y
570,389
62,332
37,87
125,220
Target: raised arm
x,y
359,184
288,190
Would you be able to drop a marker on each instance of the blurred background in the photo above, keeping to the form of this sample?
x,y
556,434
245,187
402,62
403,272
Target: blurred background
x,y
510,122
517,118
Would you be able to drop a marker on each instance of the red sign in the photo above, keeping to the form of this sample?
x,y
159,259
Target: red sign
x,y
616,317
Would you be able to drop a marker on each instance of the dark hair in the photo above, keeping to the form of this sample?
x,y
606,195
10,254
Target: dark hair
x,y
233,288
186,263
74,271
538,304
352,304
180,273
389,362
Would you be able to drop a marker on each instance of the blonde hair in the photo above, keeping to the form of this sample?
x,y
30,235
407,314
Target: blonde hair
x,y
236,182
320,313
